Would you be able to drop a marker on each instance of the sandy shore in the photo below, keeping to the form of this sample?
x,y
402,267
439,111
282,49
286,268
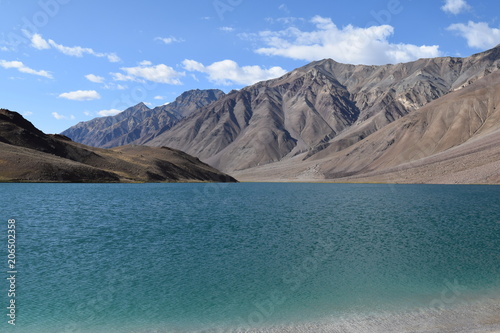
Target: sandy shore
x,y
478,317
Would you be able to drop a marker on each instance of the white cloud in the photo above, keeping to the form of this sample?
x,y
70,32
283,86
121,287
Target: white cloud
x,y
284,8
226,29
455,6
58,116
74,51
159,97
170,40
349,44
112,57
123,77
28,113
285,20
114,86
62,117
478,35
107,113
94,78
4,48
38,42
228,72
23,68
145,63
193,66
81,95
157,73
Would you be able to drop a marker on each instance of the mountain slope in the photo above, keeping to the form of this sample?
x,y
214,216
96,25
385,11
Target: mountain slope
x,y
443,124
139,123
27,154
322,106
467,120
451,140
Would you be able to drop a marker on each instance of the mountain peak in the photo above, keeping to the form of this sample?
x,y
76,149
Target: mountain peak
x,y
141,105
15,119
326,65
198,92
140,121
191,100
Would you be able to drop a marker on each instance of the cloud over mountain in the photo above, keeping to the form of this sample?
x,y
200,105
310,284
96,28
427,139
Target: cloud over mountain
x,y
146,70
81,95
228,72
348,44
478,35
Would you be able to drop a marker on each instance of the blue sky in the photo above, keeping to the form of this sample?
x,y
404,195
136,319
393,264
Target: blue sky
x,y
65,61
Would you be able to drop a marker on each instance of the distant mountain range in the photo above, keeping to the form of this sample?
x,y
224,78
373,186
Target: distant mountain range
x,y
140,123
328,120
29,155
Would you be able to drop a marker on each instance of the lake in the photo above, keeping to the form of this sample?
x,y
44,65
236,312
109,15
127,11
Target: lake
x,y
257,257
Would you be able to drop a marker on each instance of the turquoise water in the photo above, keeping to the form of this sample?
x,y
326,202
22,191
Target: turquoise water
x,y
223,257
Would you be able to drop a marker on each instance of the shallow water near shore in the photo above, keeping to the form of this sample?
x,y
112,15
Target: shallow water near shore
x,y
251,257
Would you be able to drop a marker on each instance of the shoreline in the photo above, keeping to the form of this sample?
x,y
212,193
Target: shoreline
x,y
250,181
333,181
479,316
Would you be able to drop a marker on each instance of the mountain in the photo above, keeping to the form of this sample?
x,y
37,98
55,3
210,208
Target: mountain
x,y
139,123
27,154
324,108
453,139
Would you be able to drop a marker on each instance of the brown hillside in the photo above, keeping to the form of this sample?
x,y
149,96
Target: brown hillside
x,y
27,154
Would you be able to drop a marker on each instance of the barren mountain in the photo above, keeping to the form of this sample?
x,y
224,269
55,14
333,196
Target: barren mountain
x,y
320,109
27,154
454,139
139,123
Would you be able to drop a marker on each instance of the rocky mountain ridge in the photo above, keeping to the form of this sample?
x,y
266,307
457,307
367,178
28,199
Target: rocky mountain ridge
x,y
140,123
322,105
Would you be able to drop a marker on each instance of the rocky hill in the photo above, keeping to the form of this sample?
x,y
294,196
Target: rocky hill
x,y
29,155
140,123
